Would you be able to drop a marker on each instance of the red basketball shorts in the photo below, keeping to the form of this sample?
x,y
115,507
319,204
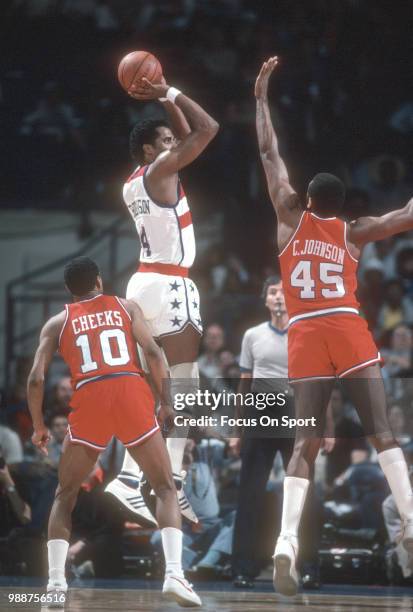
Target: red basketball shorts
x,y
121,406
330,346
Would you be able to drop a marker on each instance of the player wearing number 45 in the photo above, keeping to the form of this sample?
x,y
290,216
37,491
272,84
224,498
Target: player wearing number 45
x,y
327,338
168,298
96,337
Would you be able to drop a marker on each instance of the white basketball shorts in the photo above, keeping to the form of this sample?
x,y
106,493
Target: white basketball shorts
x,y
169,303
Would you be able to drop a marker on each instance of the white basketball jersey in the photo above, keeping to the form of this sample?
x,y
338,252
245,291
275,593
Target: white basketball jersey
x,y
165,231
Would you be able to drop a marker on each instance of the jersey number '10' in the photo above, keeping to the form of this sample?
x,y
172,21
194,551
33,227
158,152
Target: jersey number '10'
x,y
104,337
301,277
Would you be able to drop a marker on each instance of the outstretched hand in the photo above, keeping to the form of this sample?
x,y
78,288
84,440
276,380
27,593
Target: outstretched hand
x,y
261,84
145,90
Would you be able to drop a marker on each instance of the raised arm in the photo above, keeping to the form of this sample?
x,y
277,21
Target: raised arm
x,y
202,129
370,229
179,124
283,196
155,361
48,344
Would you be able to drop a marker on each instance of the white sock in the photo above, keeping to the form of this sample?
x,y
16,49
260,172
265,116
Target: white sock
x,y
394,466
57,553
172,549
176,447
129,465
184,380
295,492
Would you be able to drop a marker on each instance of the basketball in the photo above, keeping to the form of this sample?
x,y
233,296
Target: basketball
x,y
136,65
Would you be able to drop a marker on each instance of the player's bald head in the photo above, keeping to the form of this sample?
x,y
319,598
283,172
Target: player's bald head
x,y
326,194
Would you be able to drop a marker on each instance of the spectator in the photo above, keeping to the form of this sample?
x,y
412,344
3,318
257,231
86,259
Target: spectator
x,y
363,484
397,422
399,356
228,273
16,409
15,513
60,399
19,507
381,252
389,188
58,429
404,266
54,143
383,178
396,307
212,345
10,446
371,290
52,118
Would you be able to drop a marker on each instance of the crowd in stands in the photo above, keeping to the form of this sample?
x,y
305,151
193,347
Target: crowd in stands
x,y
341,106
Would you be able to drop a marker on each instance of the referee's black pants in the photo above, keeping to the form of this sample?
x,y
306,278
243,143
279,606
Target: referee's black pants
x,y
255,529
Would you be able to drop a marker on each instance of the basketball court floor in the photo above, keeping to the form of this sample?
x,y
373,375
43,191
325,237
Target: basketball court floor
x,y
141,596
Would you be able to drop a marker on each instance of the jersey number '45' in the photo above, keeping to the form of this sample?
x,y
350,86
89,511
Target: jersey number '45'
x,y
326,273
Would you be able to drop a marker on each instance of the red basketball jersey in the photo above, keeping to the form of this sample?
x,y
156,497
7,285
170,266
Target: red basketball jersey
x,y
96,340
318,271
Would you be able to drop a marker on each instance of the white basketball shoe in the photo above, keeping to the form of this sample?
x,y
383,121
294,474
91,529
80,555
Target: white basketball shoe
x,y
126,489
55,597
285,573
184,505
178,589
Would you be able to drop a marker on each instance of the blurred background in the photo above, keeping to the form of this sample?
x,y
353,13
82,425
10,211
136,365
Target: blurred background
x,y
342,102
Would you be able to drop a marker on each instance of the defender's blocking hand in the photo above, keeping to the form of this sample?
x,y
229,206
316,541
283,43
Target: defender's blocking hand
x,y
261,84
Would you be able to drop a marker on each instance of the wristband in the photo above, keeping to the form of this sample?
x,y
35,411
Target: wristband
x,y
11,489
172,93
163,99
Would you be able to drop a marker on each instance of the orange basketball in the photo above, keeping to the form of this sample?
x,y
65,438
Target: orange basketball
x,y
136,65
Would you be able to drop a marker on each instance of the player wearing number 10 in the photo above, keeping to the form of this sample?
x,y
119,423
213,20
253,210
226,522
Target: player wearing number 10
x,y
327,339
96,335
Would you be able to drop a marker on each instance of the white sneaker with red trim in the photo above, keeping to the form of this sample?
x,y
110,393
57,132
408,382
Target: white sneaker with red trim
x,y
178,589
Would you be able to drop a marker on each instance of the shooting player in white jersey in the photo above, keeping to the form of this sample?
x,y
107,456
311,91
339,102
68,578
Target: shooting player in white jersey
x,y
161,287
